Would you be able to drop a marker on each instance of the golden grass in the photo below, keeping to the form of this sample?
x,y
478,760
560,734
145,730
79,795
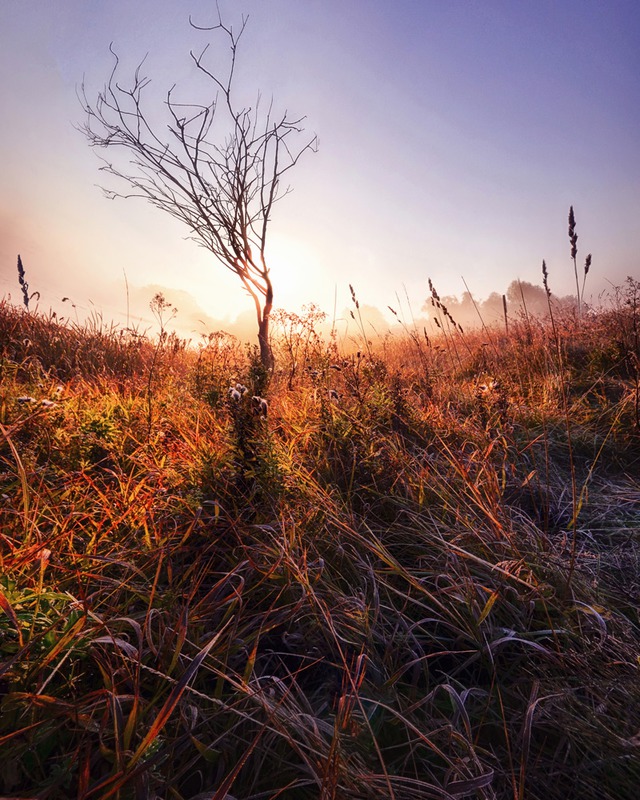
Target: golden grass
x,y
415,577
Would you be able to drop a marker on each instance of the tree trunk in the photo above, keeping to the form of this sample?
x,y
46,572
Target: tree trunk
x,y
266,353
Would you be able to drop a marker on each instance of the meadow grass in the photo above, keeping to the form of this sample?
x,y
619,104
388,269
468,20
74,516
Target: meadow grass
x,y
413,575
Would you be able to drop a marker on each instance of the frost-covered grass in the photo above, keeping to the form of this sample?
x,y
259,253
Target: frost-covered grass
x,y
415,577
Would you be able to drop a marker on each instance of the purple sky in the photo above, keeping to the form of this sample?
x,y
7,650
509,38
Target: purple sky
x,y
453,138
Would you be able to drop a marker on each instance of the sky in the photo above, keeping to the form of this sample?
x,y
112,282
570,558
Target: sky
x,y
453,137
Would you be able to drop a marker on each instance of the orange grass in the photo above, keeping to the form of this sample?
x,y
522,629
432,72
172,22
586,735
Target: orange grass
x,y
411,579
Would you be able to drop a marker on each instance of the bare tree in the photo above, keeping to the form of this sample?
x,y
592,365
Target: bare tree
x,y
220,180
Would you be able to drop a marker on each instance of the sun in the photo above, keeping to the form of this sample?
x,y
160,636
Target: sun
x,y
296,273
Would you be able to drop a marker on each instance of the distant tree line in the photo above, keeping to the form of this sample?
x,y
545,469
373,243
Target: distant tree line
x,y
521,297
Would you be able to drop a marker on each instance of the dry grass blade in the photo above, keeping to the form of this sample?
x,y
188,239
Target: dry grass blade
x,y
171,702
23,482
8,610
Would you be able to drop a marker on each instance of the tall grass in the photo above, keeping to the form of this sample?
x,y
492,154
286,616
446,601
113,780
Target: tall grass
x,y
395,584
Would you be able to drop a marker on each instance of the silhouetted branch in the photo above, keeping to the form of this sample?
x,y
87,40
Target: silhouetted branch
x,y
224,187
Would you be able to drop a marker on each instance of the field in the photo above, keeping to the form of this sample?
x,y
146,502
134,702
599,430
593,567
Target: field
x,y
406,568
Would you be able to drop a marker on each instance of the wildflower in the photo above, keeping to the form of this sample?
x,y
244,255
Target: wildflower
x,y
241,388
234,394
333,395
47,403
491,385
260,405
26,399
58,390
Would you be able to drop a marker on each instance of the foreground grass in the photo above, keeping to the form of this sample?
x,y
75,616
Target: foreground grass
x,y
417,577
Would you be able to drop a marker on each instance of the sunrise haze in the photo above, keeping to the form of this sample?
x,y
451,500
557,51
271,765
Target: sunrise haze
x,y
453,137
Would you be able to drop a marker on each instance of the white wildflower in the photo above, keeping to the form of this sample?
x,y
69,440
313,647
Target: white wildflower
x,y
260,404
490,386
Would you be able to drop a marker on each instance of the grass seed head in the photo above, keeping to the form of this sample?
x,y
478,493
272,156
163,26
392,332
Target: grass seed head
x,y
573,236
545,278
